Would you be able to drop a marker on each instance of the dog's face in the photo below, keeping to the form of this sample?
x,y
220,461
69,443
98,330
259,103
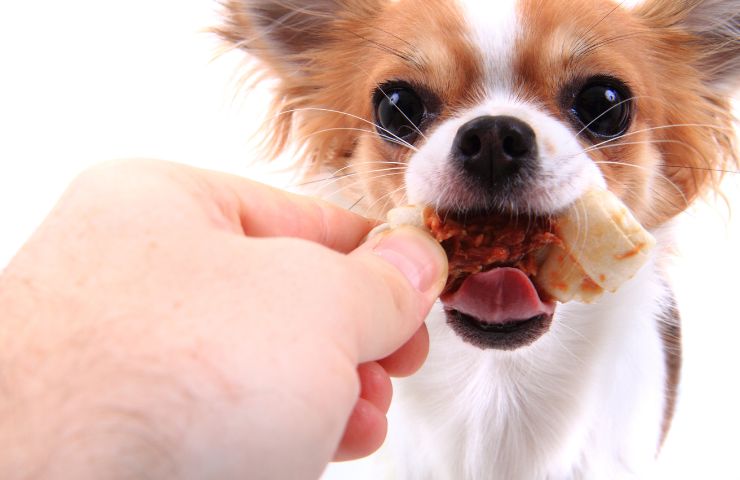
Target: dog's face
x,y
507,106
513,105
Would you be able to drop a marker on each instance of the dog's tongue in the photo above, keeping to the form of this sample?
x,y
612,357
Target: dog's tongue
x,y
501,295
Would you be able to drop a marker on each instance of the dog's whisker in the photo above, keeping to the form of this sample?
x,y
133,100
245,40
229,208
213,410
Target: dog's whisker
x,y
376,162
333,177
664,177
587,32
636,132
400,142
706,169
338,173
605,112
387,196
369,209
339,112
684,144
385,48
369,178
659,128
658,142
363,175
334,180
352,207
660,195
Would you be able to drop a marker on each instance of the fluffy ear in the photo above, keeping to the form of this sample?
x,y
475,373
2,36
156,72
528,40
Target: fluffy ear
x,y
695,50
309,47
713,27
282,33
716,24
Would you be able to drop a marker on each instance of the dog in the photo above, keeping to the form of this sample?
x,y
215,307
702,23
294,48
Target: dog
x,y
518,107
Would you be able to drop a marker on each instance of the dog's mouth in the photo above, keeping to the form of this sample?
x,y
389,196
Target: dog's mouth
x,y
499,309
491,298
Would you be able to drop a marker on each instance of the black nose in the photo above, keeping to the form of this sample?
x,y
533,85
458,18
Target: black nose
x,y
494,148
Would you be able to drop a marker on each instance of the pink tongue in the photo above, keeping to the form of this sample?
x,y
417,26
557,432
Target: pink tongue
x,y
501,295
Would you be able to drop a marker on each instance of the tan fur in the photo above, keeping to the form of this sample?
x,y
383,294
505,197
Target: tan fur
x,y
399,41
362,48
658,169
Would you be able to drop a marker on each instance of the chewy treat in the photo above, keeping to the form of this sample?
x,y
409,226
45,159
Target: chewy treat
x,y
603,246
594,246
481,242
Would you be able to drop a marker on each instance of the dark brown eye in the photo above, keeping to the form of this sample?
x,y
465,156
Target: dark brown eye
x,y
604,107
399,111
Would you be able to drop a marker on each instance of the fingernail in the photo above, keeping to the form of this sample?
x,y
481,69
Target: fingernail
x,y
416,255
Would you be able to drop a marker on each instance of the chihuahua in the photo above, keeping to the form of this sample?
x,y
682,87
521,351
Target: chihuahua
x,y
518,107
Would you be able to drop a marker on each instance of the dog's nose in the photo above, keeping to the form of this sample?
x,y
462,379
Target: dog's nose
x,y
493,148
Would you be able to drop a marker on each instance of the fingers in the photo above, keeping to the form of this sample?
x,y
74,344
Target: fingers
x,y
375,385
367,426
365,432
233,203
404,271
262,211
410,357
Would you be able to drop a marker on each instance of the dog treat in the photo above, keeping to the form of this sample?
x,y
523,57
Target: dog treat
x,y
594,246
478,243
603,246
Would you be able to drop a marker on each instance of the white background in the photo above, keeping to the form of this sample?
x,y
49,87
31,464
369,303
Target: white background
x,y
83,81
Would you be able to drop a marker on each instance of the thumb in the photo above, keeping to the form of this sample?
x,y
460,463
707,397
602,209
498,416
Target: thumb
x,y
409,269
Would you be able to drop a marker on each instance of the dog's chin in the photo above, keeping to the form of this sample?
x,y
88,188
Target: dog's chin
x,y
502,336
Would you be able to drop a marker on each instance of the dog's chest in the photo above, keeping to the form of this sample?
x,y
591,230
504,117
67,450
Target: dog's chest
x,y
585,401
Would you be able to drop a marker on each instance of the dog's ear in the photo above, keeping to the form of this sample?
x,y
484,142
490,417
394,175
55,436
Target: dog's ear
x,y
713,29
716,25
284,34
308,47
695,50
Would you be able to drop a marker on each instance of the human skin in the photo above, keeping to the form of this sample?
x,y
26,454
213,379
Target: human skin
x,y
168,322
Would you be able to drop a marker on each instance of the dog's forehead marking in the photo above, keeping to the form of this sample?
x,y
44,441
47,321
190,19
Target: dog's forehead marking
x,y
494,27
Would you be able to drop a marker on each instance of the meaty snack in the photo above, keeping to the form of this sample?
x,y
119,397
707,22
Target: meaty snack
x,y
479,243
594,246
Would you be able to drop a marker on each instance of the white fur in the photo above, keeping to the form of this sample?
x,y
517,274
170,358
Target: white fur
x,y
565,170
494,27
583,402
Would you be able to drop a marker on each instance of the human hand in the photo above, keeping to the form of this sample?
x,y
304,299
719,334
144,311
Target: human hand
x,y
170,322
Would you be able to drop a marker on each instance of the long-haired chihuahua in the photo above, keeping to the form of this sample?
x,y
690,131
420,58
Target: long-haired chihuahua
x,y
516,106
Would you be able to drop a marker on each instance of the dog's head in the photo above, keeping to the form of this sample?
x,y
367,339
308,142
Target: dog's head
x,y
514,105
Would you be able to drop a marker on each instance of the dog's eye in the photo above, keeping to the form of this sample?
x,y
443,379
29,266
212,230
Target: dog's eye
x,y
604,107
398,112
